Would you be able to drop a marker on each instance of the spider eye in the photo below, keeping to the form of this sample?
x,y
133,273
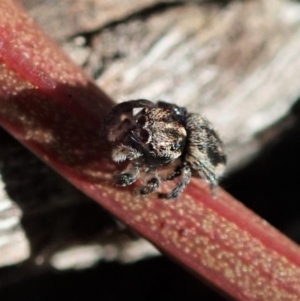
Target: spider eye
x,y
144,136
141,120
151,147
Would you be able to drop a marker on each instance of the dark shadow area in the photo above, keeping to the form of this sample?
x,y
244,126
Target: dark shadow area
x,y
269,185
149,280
55,213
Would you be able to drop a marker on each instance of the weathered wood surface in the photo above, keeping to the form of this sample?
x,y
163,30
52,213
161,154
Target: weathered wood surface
x,y
238,64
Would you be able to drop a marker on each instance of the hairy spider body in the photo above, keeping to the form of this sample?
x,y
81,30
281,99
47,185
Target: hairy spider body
x,y
160,138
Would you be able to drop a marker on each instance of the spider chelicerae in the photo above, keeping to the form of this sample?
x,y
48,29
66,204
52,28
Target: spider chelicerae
x,y
162,141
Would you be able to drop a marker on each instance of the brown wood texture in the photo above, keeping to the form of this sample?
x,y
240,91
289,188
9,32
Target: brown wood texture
x,y
236,63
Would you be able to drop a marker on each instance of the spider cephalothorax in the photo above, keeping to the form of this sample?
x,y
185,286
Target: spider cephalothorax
x,y
161,137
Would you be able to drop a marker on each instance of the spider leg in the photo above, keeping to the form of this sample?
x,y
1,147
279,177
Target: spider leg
x,y
176,173
126,177
127,107
149,188
123,152
186,174
209,176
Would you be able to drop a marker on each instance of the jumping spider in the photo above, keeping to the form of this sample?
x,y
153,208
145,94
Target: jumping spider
x,y
162,139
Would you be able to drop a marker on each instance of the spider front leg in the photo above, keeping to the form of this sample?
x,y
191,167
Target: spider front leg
x,y
123,152
130,174
186,174
127,107
126,177
150,187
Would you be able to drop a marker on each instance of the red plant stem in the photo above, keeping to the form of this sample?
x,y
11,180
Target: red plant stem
x,y
50,106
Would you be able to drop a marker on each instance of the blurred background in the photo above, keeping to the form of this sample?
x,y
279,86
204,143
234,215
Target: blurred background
x,y
235,62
